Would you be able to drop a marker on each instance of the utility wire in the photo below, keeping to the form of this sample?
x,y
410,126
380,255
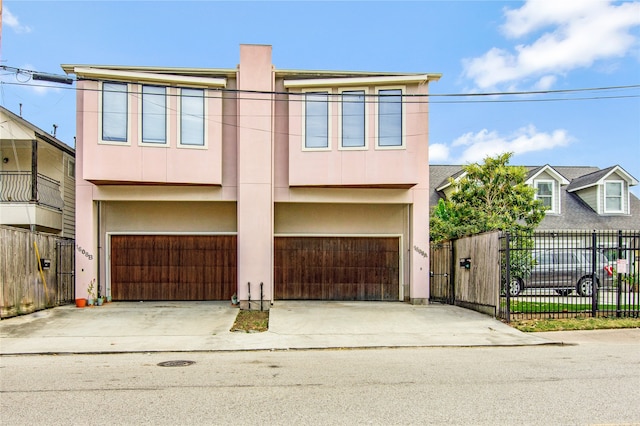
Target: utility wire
x,y
407,97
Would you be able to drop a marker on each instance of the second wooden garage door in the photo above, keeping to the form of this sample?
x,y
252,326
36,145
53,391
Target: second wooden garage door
x,y
337,268
173,267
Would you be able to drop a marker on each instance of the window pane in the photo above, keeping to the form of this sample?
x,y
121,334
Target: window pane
x,y
316,120
613,205
614,189
390,118
154,126
544,188
353,118
114,112
192,117
545,193
613,196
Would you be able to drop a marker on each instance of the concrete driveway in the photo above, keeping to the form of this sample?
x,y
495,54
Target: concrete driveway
x,y
204,326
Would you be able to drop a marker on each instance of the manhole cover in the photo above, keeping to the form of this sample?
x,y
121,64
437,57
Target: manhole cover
x,y
180,363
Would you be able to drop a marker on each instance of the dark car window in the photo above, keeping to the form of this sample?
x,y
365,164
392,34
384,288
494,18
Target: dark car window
x,y
567,258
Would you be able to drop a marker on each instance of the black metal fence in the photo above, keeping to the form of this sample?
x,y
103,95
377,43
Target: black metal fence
x,y
569,274
18,187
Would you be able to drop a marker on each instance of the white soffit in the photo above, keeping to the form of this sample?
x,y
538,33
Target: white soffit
x,y
151,77
355,81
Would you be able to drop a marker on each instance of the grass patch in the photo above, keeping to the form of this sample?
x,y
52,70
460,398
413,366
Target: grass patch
x,y
251,321
566,324
542,307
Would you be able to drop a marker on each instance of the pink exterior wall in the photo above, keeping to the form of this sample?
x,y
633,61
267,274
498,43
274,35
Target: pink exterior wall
x,y
255,159
255,172
369,166
133,162
86,225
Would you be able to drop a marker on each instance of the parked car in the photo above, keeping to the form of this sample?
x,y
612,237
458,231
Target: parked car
x,y
564,271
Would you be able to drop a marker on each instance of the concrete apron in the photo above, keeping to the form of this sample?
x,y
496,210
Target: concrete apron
x,y
204,326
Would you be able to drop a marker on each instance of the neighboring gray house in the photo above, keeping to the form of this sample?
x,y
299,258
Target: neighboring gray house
x,y
579,198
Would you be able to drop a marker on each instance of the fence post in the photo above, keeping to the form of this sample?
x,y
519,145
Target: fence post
x,y
619,276
594,276
508,276
452,273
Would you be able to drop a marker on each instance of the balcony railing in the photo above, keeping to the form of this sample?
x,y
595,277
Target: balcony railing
x,y
17,187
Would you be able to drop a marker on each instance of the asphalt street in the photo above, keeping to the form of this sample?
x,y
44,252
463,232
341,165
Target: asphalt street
x,y
592,381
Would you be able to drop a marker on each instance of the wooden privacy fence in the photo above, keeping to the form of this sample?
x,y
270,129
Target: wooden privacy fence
x,y
24,288
466,272
441,273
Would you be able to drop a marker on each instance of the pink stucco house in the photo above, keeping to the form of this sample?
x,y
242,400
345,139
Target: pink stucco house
x,y
198,184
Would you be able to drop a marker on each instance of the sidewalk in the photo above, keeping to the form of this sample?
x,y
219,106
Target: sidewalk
x,y
204,326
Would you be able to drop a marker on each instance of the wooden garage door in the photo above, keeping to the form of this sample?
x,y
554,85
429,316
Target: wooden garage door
x,y
337,268
173,267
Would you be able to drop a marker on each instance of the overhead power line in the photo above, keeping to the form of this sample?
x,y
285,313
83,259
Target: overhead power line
x,y
337,97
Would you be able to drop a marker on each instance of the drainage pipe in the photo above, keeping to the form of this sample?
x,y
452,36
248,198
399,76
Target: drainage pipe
x,y
249,302
261,297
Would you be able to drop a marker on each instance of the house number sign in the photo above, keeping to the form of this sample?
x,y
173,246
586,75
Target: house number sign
x,y
84,252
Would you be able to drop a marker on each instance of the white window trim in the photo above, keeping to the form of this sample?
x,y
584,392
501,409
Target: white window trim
x,y
100,105
366,119
403,124
167,96
554,209
330,94
622,197
205,121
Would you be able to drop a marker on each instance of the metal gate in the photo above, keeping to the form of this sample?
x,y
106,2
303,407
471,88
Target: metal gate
x,y
65,271
441,271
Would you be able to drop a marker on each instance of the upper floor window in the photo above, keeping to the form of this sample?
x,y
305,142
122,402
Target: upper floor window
x,y
390,118
545,194
192,117
114,112
316,123
154,116
353,119
613,197
71,169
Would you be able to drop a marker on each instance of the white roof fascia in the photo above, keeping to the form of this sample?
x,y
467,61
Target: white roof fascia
x,y
551,171
626,176
355,81
448,184
192,81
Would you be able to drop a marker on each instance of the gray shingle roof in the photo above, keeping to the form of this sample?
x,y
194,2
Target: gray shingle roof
x,y
589,179
576,214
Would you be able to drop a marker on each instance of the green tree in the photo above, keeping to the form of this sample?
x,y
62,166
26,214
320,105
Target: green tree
x,y
490,196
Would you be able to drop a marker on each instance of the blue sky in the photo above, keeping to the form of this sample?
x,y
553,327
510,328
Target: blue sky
x,y
478,46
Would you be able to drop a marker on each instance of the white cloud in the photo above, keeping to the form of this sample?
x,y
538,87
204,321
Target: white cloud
x,y
578,33
11,21
438,152
484,143
546,82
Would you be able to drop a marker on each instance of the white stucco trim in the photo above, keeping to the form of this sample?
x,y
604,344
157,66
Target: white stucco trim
x,y
357,81
147,77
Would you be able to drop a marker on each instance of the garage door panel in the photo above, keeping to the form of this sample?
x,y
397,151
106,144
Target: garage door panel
x,y
173,267
337,268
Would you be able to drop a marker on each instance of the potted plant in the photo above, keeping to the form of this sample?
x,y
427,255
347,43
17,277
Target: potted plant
x,y
91,292
81,303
